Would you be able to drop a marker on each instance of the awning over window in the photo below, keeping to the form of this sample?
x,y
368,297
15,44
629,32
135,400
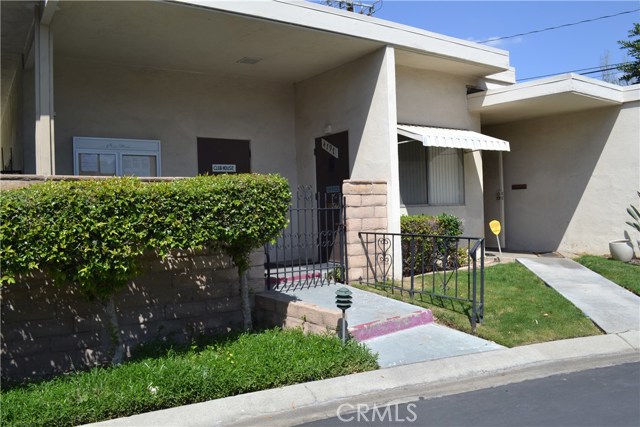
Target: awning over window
x,y
451,138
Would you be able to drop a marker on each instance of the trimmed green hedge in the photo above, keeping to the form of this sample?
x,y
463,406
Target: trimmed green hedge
x,y
94,232
440,225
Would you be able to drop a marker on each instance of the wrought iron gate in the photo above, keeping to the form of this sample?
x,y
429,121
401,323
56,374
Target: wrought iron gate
x,y
311,251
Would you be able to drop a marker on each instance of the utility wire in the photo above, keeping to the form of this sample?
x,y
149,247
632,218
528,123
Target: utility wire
x,y
582,71
559,26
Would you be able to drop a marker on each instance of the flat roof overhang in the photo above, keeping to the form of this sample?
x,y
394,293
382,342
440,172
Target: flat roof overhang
x,y
415,47
291,41
567,93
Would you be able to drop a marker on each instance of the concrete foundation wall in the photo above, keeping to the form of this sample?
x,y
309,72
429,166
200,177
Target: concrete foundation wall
x,y
276,309
581,170
101,99
429,98
49,329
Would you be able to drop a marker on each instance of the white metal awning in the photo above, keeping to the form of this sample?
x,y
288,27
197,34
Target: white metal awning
x,y
451,138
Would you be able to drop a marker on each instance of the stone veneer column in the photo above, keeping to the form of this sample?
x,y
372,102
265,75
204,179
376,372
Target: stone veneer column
x,y
366,210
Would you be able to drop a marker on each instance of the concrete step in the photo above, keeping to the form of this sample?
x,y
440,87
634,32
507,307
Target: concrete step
x,y
378,328
295,278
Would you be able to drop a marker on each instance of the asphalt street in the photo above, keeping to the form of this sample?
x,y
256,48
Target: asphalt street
x,y
597,397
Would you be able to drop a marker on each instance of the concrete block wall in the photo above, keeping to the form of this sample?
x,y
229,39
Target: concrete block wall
x,y
276,309
49,328
366,210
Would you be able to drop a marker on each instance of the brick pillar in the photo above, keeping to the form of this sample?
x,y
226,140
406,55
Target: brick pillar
x,y
366,210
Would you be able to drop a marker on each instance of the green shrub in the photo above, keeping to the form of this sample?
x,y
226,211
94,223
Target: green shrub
x,y
426,250
179,376
94,232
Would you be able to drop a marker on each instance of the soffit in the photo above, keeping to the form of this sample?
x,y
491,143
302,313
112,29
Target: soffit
x,y
16,25
556,95
177,37
446,65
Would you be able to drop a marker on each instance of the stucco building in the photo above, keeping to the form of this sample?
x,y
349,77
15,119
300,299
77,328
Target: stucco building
x,y
318,95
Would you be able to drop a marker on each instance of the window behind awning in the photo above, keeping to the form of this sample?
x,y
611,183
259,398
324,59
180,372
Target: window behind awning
x,y
451,138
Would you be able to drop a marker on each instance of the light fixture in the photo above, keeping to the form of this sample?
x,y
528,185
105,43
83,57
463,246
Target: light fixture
x,y
248,60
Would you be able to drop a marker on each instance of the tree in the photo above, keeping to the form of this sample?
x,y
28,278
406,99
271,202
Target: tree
x,y
607,71
631,69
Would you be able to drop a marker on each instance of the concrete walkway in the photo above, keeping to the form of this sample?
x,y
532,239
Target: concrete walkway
x,y
611,307
400,333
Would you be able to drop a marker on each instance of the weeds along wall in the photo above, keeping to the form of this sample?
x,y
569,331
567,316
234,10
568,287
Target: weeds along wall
x,y
92,268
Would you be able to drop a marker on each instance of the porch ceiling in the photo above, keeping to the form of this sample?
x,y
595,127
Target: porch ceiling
x,y
17,20
180,37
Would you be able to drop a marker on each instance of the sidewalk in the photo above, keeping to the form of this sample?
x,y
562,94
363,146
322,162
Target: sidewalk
x,y
611,307
296,404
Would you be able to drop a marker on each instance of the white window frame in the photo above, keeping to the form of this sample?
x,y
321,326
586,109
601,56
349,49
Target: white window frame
x,y
118,147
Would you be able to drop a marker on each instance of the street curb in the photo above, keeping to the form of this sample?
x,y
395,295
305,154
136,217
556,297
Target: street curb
x,y
300,403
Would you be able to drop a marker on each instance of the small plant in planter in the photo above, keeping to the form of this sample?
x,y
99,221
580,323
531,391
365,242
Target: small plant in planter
x,y
622,250
635,214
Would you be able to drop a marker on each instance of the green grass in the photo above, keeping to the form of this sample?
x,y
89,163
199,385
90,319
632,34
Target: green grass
x,y
163,378
519,309
624,274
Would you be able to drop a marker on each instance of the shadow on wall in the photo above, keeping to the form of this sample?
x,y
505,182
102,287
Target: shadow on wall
x,y
49,328
546,174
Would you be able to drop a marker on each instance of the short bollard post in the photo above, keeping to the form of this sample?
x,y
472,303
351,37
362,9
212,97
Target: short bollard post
x,y
343,301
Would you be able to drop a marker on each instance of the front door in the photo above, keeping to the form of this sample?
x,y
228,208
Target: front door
x,y
493,196
332,168
216,156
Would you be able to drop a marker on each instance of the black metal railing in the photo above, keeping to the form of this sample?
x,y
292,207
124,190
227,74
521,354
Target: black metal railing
x,y
442,267
311,250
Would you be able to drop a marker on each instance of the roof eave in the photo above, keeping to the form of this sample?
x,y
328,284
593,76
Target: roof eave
x,y
305,14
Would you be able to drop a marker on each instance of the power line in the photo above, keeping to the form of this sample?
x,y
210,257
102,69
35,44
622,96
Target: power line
x,y
559,26
582,71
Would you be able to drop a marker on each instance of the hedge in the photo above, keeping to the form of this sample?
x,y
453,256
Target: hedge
x,y
425,255
93,233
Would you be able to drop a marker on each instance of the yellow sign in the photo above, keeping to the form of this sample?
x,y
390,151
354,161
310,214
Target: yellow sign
x,y
495,227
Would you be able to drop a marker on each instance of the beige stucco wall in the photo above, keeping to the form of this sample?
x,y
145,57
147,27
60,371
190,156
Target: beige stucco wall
x,y
435,99
358,97
582,171
113,100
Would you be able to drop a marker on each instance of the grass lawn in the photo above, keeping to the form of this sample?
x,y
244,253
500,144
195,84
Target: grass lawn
x,y
168,377
624,274
519,309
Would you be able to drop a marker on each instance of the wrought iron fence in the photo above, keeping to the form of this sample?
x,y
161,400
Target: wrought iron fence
x,y
311,250
447,267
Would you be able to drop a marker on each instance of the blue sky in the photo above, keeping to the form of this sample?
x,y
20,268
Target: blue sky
x,y
550,52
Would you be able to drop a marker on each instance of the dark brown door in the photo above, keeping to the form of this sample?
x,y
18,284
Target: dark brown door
x,y
332,167
332,162
217,156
